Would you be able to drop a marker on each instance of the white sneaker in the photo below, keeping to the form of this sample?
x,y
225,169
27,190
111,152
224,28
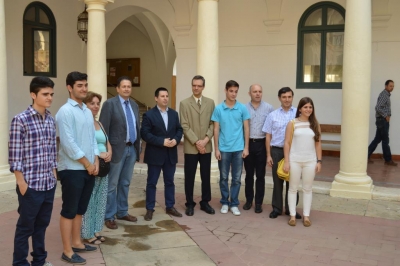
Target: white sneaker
x,y
224,209
47,264
235,211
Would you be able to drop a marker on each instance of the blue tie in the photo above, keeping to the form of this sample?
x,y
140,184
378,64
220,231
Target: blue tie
x,y
131,124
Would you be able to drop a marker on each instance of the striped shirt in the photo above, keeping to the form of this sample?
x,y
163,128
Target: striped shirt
x,y
257,118
382,107
275,124
32,148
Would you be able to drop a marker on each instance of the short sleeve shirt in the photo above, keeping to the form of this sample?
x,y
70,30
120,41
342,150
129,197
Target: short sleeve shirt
x,y
231,132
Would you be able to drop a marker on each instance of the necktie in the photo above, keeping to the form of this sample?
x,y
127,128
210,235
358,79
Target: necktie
x,y
199,104
131,123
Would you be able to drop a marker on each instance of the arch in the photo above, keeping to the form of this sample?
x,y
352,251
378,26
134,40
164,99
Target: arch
x,y
39,41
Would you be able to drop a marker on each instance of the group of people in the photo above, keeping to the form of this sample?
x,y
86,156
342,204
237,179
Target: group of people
x,y
253,134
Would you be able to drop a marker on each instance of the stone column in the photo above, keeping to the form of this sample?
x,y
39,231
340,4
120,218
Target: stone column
x,y
7,180
96,46
352,180
208,57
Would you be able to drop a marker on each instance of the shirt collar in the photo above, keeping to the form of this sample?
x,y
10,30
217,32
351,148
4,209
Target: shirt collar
x,y
226,107
196,99
261,103
166,110
122,100
291,108
32,111
75,103
388,93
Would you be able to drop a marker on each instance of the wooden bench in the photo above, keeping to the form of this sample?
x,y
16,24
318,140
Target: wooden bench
x,y
327,128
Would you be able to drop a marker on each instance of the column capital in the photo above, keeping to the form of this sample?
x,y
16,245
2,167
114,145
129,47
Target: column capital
x,y
97,4
207,0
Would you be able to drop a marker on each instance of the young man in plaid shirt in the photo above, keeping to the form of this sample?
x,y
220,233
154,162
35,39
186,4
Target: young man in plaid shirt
x,y
33,160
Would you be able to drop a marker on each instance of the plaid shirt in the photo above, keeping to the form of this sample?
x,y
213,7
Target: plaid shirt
x,y
32,148
382,107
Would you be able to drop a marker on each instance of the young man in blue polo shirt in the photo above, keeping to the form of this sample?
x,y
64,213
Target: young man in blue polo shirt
x,y
231,142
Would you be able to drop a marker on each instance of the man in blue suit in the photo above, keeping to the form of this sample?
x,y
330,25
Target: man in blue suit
x,y
162,133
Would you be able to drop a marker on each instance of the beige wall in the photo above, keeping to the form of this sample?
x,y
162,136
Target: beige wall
x,y
71,51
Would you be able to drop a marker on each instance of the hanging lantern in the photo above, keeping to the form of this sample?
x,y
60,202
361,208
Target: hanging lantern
x,y
83,20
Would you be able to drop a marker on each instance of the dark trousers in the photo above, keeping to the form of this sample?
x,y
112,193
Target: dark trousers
x,y
256,160
382,134
190,168
277,194
153,173
35,208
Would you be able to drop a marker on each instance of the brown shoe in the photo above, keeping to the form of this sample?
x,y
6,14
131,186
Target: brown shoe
x,y
370,161
149,215
111,224
306,222
128,218
172,211
391,163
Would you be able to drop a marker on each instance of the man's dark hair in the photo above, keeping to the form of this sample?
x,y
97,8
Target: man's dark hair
x,y
39,83
284,90
230,84
198,77
158,91
120,79
74,77
388,81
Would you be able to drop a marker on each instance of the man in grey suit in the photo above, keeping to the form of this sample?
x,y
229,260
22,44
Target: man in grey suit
x,y
120,118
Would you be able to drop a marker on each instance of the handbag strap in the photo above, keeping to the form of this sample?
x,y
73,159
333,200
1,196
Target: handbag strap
x,y
291,138
105,134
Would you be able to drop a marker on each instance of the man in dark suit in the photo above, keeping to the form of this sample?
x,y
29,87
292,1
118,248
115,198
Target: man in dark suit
x,y
162,133
120,119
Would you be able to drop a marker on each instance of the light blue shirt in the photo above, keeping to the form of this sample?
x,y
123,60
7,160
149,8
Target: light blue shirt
x,y
257,119
122,100
77,136
275,124
164,115
231,133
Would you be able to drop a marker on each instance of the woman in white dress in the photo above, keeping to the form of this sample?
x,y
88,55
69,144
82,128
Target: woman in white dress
x,y
303,157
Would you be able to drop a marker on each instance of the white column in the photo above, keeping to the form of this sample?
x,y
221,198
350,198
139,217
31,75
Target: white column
x,y
352,180
208,57
96,47
7,180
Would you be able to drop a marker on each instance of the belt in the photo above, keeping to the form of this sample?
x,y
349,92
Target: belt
x,y
276,147
257,140
129,143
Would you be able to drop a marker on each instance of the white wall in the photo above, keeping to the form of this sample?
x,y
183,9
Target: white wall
x,y
71,52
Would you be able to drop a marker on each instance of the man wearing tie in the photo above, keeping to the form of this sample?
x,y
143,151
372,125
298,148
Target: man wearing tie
x,y
120,119
195,114
162,132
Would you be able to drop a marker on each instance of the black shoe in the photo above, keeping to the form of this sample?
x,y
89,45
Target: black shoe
x,y
207,208
75,259
189,211
258,208
247,205
298,216
274,214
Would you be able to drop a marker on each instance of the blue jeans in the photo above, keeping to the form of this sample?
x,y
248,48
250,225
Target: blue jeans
x,y
35,208
382,134
228,160
119,179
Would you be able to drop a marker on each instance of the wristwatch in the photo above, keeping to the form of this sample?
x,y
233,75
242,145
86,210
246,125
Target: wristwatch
x,y
319,161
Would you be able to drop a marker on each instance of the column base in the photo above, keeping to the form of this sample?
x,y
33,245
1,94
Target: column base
x,y
7,179
348,187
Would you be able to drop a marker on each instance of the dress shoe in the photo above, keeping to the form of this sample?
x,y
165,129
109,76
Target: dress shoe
x,y
128,218
172,211
111,224
391,163
298,216
207,208
274,214
149,215
247,205
189,211
258,208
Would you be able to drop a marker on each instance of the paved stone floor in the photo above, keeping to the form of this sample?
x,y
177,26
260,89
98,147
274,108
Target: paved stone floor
x,y
344,232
